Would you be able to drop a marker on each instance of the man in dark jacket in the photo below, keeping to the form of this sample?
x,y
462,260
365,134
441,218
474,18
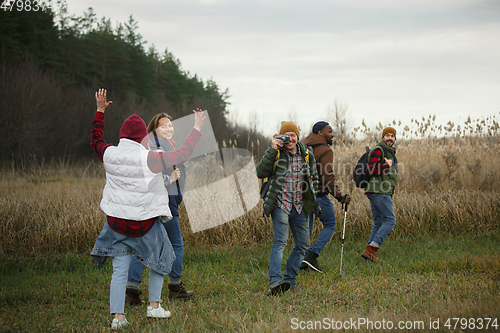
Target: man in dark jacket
x,y
319,140
290,197
383,166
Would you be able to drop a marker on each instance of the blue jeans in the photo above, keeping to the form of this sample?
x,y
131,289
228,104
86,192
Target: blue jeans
x,y
300,231
329,221
383,216
119,282
174,234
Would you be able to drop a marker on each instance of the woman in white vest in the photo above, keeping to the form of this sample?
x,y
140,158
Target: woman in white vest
x,y
161,131
135,202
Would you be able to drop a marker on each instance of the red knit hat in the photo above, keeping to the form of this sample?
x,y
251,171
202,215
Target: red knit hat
x,y
133,128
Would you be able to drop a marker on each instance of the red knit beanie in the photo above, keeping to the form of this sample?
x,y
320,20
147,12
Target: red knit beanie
x,y
133,128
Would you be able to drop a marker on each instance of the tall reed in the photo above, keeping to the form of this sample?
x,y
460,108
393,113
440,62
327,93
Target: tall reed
x,y
446,185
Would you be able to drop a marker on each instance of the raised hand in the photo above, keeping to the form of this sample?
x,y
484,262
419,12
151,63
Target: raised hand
x,y
100,98
276,143
199,119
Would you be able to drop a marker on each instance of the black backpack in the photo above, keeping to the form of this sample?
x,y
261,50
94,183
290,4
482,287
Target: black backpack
x,y
360,175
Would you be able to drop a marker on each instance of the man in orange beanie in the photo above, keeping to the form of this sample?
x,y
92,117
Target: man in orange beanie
x,y
291,196
382,166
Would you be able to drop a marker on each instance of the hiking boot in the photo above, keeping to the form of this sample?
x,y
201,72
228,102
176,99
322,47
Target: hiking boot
x,y
178,291
158,312
304,267
117,324
370,253
311,260
278,287
133,297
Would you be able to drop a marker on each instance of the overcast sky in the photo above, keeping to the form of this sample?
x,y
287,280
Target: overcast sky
x,y
383,59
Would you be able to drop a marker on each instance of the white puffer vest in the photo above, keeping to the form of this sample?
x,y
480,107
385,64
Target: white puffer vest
x,y
132,191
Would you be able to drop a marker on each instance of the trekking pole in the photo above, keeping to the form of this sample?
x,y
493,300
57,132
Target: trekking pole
x,y
343,234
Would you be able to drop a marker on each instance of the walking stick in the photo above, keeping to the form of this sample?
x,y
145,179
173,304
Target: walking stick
x,y
343,234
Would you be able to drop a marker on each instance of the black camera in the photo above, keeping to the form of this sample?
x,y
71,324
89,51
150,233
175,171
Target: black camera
x,y
285,138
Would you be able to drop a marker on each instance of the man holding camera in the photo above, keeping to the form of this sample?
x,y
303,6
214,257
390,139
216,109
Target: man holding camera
x,y
320,139
290,197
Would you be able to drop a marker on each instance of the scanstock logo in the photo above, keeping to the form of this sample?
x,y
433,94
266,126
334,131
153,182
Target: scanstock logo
x,y
220,185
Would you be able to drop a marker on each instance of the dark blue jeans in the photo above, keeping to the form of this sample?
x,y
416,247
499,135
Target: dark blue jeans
x,y
174,234
299,227
383,217
329,221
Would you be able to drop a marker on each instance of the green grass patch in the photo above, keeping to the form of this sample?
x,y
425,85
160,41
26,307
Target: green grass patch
x,y
420,280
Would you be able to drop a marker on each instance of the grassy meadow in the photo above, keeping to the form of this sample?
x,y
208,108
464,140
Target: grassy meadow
x,y
442,259
420,280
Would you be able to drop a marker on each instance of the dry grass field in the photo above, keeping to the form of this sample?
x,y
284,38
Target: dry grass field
x,y
446,185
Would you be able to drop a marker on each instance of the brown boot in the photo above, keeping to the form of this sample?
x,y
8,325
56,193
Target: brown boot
x,y
370,253
133,297
178,291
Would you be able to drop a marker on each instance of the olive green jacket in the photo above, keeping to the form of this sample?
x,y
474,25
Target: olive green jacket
x,y
274,166
386,182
